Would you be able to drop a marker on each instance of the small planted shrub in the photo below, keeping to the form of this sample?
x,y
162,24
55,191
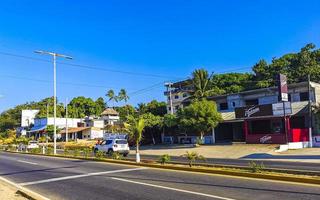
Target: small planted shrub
x,y
36,150
99,154
256,167
116,156
164,159
66,151
192,157
76,152
86,151
49,151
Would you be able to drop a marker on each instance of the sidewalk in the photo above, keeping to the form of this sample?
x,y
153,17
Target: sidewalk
x,y
8,192
236,151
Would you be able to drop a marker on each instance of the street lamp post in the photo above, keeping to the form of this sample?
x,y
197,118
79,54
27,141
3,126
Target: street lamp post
x,y
168,85
55,55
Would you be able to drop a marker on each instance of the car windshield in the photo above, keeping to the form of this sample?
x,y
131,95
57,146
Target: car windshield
x,y
121,142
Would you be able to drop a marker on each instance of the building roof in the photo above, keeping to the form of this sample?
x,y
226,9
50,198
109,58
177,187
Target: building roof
x,y
74,130
109,111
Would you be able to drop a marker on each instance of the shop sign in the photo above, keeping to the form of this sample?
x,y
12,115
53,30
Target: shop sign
x,y
265,139
251,111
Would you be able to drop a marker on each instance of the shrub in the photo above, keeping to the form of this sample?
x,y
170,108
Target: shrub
x,y
116,156
164,159
35,150
86,151
99,154
76,152
66,151
49,151
192,157
256,167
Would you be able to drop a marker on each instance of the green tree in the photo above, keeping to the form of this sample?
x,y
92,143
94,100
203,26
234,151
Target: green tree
x,y
125,111
123,96
153,124
202,83
100,106
135,127
112,97
81,107
200,115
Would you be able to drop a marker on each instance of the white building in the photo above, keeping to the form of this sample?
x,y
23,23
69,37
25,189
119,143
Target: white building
x,y
27,117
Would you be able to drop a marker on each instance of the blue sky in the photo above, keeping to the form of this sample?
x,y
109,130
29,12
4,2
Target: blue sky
x,y
167,38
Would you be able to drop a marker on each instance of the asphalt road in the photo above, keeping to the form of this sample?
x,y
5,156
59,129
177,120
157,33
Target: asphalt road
x,y
59,178
244,162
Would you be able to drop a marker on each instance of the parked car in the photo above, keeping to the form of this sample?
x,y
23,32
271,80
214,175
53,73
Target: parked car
x,y
113,145
33,144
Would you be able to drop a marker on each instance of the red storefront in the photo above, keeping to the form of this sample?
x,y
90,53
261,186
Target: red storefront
x,y
267,124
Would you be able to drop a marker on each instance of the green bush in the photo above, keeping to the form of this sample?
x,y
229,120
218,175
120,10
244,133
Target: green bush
x,y
164,159
49,151
86,151
66,152
192,157
99,154
76,152
35,150
256,167
116,156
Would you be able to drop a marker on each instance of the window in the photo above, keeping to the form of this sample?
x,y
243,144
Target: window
x,y
252,102
289,97
121,142
176,96
223,106
108,142
304,96
233,104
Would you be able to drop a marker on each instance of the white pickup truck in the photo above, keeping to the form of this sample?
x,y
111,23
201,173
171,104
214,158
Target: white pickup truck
x,y
113,145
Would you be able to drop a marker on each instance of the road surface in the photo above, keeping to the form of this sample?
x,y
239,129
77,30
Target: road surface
x,y
59,178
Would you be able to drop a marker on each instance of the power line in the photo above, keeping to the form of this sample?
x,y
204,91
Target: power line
x,y
46,81
90,67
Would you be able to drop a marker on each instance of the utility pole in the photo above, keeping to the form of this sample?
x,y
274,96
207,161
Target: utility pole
x,y
67,120
310,113
55,55
168,85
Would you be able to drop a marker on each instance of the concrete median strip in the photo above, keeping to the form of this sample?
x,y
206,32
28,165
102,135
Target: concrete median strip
x,y
173,189
79,176
24,191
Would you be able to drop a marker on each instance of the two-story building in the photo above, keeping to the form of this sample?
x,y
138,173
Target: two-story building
x,y
256,116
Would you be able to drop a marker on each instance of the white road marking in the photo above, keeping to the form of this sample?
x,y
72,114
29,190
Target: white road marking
x,y
31,163
23,189
80,176
174,189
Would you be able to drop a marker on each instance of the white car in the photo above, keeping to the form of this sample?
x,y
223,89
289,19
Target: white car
x,y
113,145
33,145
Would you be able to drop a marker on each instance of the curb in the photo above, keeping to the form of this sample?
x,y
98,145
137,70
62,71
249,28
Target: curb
x,y
314,181
31,195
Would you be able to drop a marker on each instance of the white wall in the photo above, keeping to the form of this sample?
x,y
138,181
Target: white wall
x,y
27,117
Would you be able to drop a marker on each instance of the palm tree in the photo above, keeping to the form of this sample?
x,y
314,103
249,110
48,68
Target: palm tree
x,y
112,96
135,127
202,83
123,95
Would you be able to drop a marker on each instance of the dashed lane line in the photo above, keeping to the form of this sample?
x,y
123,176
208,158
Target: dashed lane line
x,y
79,176
173,189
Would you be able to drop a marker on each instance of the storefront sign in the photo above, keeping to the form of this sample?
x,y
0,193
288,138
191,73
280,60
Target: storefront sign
x,y
265,139
275,109
251,111
282,87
